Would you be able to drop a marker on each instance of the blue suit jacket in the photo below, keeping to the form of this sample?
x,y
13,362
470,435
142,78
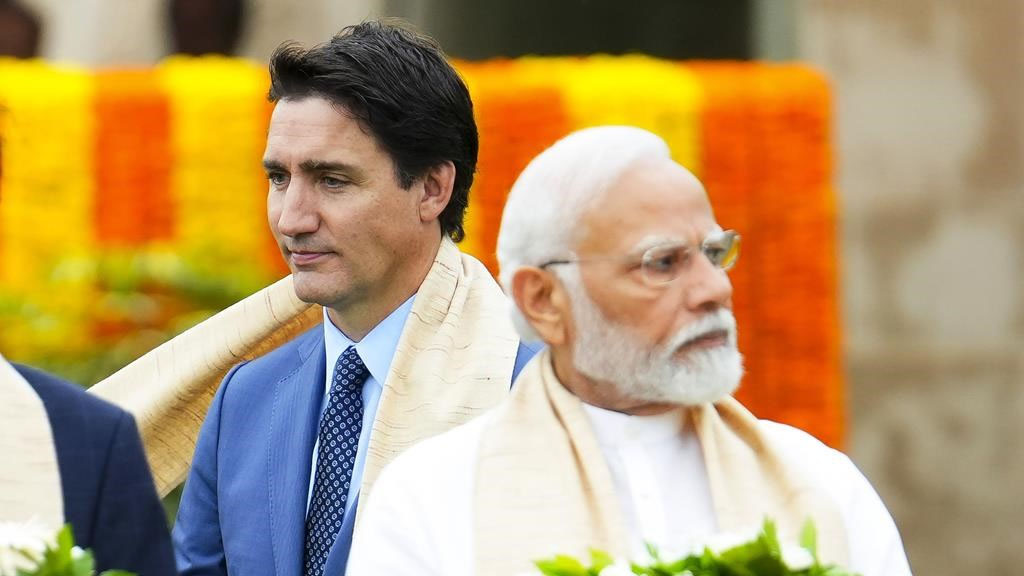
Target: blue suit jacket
x,y
109,497
243,511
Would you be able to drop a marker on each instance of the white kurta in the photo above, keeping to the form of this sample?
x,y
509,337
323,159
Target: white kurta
x,y
419,520
656,473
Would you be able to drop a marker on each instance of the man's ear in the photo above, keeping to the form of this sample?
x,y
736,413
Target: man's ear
x,y
542,300
438,183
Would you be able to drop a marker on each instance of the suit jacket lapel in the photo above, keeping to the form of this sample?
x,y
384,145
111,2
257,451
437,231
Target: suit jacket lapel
x,y
298,398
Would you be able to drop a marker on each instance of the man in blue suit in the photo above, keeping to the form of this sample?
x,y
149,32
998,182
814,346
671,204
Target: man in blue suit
x,y
370,155
109,498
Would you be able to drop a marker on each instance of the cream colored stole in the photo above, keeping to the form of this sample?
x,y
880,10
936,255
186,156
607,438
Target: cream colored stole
x,y
170,388
30,489
543,487
454,360
458,332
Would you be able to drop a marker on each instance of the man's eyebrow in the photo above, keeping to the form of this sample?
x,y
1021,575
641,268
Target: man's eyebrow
x,y
326,166
653,241
272,165
311,166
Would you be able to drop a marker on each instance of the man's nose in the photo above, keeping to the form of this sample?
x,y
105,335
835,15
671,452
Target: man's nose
x,y
708,286
299,211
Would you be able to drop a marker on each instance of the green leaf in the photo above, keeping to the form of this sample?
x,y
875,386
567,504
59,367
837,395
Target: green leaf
x,y
809,539
770,537
562,565
652,550
599,560
65,541
82,566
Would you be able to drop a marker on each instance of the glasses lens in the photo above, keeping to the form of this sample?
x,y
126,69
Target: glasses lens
x,y
663,264
722,249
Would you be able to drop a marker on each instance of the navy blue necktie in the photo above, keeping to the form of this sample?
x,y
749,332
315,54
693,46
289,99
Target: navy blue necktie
x,y
339,440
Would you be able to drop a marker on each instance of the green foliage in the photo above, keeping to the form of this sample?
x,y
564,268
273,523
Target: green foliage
x,y
569,566
762,556
136,301
63,560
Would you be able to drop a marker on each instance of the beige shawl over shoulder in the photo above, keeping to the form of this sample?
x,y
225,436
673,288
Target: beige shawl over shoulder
x,y
543,488
170,388
454,359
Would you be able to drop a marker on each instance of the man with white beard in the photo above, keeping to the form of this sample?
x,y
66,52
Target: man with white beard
x,y
623,431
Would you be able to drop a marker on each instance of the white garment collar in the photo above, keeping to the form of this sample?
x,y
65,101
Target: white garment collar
x,y
614,429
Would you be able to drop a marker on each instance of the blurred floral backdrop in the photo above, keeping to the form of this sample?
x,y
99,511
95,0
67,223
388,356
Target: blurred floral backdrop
x,y
132,201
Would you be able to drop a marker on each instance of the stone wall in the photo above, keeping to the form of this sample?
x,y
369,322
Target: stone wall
x,y
931,157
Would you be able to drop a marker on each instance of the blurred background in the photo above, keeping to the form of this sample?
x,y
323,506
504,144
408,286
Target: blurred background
x,y
927,144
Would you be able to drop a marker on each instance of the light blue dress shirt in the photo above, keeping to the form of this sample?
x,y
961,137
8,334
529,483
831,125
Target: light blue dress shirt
x,y
377,350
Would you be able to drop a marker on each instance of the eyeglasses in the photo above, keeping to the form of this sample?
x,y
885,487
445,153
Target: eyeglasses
x,y
664,263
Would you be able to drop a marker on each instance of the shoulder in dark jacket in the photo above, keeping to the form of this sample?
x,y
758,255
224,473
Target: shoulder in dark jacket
x,y
109,497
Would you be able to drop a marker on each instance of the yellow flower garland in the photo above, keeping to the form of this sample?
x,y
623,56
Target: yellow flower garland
x,y
177,168
219,121
46,211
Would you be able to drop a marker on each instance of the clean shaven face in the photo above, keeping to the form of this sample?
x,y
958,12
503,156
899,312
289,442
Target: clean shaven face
x,y
342,221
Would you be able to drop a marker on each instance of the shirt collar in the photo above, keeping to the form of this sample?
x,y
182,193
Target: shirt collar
x,y
377,349
615,429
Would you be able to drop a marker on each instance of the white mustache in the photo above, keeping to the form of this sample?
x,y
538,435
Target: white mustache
x,y
720,320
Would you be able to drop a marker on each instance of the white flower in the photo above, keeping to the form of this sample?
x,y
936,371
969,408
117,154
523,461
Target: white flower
x,y
796,557
31,537
619,568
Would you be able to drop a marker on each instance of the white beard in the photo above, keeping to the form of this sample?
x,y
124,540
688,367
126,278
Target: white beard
x,y
609,353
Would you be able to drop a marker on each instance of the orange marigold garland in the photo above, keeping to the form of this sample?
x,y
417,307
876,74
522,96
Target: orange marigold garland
x,y
173,163
514,126
772,182
799,297
133,159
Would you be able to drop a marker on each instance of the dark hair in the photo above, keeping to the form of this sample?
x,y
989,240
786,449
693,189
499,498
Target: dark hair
x,y
401,88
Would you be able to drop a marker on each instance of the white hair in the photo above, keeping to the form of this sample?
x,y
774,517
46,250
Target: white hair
x,y
542,214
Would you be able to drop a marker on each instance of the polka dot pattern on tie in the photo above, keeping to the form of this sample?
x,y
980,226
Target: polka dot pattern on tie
x,y
340,426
